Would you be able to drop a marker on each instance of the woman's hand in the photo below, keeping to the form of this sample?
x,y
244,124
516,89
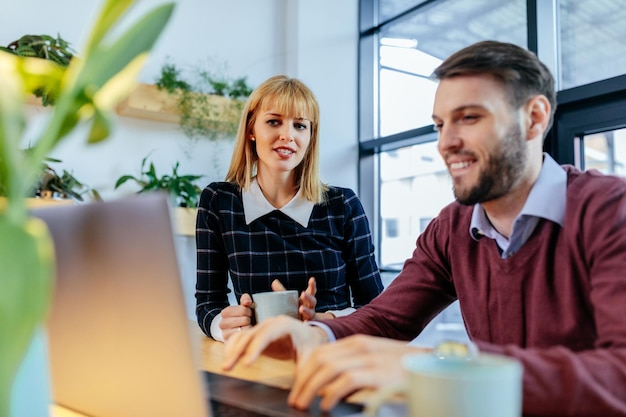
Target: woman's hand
x,y
237,318
307,301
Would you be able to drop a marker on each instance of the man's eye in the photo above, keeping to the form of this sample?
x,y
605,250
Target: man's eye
x,y
469,118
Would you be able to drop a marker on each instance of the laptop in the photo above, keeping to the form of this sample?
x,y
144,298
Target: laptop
x,y
120,343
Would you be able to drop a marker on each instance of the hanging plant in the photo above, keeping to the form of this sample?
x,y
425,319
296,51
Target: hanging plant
x,y
210,105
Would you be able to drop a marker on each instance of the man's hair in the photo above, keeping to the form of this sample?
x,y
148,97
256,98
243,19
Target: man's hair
x,y
519,70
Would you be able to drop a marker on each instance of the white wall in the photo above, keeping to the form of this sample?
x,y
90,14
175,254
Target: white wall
x,y
314,40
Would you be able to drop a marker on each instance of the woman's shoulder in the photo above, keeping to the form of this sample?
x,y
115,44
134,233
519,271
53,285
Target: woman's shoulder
x,y
219,192
333,191
222,187
343,198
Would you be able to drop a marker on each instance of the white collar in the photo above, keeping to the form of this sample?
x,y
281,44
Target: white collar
x,y
256,205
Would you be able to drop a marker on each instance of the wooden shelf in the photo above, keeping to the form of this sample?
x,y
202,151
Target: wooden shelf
x,y
150,103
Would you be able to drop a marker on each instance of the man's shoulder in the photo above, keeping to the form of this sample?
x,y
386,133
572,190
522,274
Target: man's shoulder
x,y
592,181
455,215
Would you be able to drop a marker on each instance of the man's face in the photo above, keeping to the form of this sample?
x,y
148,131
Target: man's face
x,y
480,137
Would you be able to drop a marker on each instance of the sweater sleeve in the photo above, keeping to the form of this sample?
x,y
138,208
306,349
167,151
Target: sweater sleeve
x,y
362,274
212,261
411,301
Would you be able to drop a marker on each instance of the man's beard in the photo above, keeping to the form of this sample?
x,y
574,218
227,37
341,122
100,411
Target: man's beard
x,y
503,170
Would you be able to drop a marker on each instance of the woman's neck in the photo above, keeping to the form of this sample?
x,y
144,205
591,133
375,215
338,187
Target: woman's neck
x,y
277,190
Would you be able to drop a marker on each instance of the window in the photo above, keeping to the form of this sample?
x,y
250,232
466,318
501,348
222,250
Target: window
x,y
592,37
399,161
402,181
605,151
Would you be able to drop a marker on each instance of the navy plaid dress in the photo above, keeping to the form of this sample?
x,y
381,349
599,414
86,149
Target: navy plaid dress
x,y
336,249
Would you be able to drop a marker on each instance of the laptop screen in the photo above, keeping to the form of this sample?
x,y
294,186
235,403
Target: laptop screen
x,y
119,338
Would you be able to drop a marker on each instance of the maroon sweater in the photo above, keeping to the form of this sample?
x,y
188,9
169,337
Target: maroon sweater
x,y
558,304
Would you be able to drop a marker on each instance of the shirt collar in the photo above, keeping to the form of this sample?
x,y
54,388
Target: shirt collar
x,y
546,199
255,205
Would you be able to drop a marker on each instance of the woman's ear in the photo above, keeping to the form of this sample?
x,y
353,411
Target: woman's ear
x,y
538,113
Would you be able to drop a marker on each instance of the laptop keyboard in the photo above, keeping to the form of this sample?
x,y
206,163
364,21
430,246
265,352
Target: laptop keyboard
x,y
221,409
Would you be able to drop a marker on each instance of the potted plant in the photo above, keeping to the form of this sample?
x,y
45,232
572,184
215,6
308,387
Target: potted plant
x,y
86,91
182,189
205,106
52,185
45,47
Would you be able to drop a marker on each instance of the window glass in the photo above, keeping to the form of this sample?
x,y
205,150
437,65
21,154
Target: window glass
x,y
592,46
415,186
606,152
410,48
390,8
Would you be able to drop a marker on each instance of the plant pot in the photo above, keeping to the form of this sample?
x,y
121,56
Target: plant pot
x,y
185,221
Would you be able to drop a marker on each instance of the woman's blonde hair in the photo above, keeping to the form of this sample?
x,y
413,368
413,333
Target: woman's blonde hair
x,y
288,96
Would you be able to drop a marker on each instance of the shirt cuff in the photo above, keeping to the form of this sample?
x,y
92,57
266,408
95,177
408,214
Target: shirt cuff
x,y
340,313
329,333
216,332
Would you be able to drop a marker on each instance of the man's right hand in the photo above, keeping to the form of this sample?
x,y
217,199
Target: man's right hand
x,y
280,337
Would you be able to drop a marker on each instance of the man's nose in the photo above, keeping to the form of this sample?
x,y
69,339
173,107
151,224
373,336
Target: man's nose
x,y
448,139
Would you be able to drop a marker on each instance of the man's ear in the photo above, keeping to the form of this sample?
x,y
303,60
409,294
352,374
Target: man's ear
x,y
538,116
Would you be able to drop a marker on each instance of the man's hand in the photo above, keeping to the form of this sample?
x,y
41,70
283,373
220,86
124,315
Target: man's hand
x,y
336,370
280,337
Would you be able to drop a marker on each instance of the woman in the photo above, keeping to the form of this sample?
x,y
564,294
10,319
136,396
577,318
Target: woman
x,y
274,225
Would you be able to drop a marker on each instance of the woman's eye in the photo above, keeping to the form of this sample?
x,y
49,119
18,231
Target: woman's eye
x,y
301,126
273,122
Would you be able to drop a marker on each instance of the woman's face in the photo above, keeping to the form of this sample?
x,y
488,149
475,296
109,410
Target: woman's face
x,y
281,140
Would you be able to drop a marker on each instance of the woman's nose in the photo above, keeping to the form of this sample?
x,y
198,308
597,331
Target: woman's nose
x,y
287,133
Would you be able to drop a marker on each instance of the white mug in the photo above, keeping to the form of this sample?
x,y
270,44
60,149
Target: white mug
x,y
275,303
483,386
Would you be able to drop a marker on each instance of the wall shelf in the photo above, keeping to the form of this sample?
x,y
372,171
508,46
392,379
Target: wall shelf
x,y
148,102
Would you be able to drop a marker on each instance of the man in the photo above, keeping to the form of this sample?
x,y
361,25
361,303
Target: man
x,y
534,252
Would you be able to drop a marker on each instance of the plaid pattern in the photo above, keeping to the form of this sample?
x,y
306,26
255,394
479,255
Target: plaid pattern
x,y
336,248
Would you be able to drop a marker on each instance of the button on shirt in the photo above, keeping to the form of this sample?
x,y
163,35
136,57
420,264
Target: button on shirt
x,y
546,200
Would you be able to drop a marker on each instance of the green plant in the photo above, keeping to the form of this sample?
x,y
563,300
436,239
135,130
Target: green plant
x,y
181,187
201,114
51,184
170,79
87,92
45,47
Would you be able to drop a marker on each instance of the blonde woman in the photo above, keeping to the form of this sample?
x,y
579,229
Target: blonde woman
x,y
272,224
